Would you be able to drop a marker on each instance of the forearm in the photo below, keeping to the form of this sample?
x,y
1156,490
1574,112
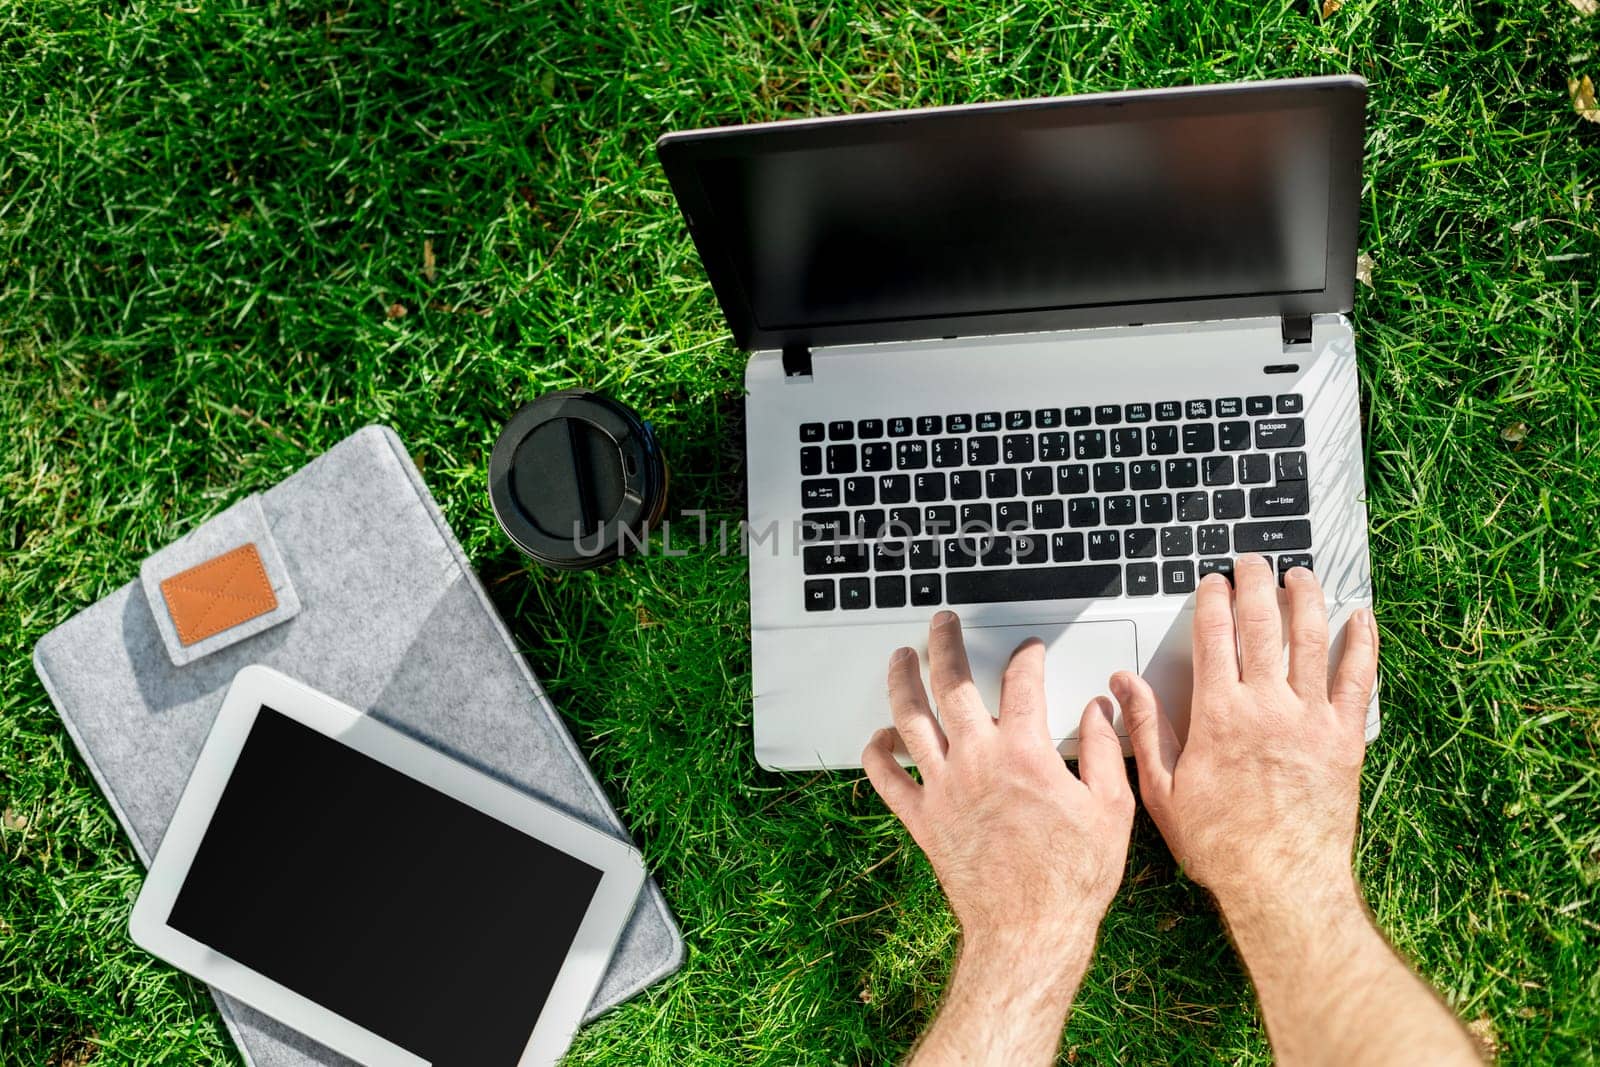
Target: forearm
x,y
1004,1004
1332,990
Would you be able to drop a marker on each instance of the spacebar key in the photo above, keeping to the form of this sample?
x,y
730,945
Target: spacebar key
x,y
1032,583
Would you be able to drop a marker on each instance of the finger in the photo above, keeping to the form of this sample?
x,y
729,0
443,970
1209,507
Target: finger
x,y
913,719
1100,753
1155,744
1022,696
1351,691
1216,646
897,788
1308,635
1255,610
960,706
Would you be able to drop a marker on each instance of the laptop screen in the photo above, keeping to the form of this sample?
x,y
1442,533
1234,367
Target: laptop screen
x,y
954,213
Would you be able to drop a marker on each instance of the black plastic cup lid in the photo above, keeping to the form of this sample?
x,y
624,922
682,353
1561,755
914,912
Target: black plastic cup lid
x,y
575,477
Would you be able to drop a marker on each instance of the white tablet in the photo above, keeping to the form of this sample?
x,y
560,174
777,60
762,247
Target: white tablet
x,y
391,903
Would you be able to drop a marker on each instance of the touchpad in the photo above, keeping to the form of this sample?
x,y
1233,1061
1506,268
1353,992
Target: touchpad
x,y
1079,659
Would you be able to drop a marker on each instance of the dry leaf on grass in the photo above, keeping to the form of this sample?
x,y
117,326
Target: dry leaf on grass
x,y
1330,6
1483,1034
13,820
428,270
396,311
1583,101
1586,7
1515,434
1364,266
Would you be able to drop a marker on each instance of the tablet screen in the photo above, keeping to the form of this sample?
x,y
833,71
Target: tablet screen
x,y
418,917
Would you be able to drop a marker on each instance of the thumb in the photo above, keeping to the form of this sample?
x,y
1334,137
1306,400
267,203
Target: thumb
x,y
1155,745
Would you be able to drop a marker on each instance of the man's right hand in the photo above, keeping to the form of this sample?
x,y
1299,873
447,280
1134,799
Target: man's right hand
x,y
1264,790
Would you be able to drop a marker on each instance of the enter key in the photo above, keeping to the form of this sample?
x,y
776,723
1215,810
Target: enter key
x,y
1277,501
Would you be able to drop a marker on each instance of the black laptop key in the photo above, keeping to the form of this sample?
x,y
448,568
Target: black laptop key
x,y
818,526
843,558
930,425
1083,511
947,452
1105,544
1011,516
811,460
996,553
977,518
1089,444
1055,446
894,488
1169,411
1030,548
1197,409
1280,433
1258,405
1283,535
925,590
1155,509
1290,466
1137,413
940,519
1127,442
869,524
841,459
904,522
1037,481
1182,473
1217,470
889,591
1194,507
858,491
1230,407
819,594
1161,440
1001,481
819,493
1079,416
1254,469
983,451
841,430
928,487
1045,418
1227,504
1019,420
988,421
1139,543
1199,437
923,555
1177,576
961,551
1290,560
1046,514
1066,547
1290,404
1233,436
911,455
1177,541
1034,583
1106,414
1213,539
1144,475
1072,478
958,424
1110,477
1143,579
966,485
855,593
1119,510
1285,498
877,456
811,431
900,427
1222,566
1017,448
869,428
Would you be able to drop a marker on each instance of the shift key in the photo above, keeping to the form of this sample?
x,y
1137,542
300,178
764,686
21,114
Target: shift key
x,y
1272,536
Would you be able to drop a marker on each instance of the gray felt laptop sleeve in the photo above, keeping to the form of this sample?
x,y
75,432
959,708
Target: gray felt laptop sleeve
x,y
377,607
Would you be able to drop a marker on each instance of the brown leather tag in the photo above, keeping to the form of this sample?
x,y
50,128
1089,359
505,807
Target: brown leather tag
x,y
221,592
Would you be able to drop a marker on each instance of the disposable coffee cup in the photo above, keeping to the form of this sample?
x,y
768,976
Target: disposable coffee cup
x,y
577,479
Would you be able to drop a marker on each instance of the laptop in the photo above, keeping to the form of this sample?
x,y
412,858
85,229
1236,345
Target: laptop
x,y
1044,363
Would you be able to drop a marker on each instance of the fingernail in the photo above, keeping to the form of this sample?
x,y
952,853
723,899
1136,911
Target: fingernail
x,y
1119,687
900,655
944,617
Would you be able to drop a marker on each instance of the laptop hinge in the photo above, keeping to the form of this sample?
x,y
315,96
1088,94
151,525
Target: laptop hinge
x,y
1296,330
797,361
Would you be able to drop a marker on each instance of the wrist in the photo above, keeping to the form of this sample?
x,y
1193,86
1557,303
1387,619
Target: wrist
x,y
1287,915
1041,966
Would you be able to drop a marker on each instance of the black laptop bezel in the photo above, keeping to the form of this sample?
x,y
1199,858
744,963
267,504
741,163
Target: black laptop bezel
x,y
1343,97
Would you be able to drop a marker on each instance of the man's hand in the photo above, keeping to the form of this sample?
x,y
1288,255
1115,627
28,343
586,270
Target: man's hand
x,y
1259,804
1029,854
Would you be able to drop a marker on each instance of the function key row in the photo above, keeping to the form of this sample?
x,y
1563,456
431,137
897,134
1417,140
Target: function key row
x,y
1049,418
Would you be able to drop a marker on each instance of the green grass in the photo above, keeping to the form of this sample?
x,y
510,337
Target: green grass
x,y
211,215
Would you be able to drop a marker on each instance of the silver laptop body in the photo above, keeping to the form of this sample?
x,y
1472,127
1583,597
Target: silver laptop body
x,y
1043,363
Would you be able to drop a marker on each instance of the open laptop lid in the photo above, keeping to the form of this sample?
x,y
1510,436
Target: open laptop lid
x,y
1163,205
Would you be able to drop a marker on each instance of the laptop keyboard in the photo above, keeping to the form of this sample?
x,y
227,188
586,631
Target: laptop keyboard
x,y
1132,500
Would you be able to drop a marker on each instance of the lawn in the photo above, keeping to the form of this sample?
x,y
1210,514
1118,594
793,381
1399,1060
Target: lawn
x,y
232,233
